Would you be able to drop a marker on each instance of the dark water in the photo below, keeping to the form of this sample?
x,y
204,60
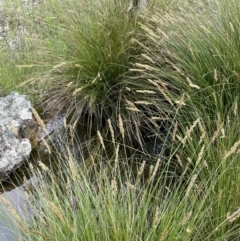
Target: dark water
x,y
8,230
12,190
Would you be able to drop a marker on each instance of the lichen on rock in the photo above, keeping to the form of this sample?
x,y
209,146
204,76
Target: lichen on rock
x,y
15,112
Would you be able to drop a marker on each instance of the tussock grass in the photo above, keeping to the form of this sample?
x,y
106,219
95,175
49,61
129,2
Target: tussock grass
x,y
120,202
102,70
160,77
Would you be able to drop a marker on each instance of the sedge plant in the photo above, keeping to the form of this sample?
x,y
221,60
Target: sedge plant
x,y
100,70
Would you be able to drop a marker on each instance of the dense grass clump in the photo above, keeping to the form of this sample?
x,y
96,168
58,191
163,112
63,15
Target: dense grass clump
x,y
103,72
164,76
120,203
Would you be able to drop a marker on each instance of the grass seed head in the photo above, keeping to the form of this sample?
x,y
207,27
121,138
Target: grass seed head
x,y
156,217
43,166
190,185
101,139
140,172
179,160
164,235
188,216
232,150
189,131
234,216
39,120
114,188
216,133
235,108
192,85
111,131
121,126
174,131
200,155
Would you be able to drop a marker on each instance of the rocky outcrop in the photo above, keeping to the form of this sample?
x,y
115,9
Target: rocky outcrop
x,y
15,142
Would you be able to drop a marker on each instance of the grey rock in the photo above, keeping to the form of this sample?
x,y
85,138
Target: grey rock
x,y
53,134
15,110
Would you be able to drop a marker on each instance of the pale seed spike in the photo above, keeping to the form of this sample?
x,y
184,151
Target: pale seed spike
x,y
145,66
55,209
114,188
68,187
189,131
130,185
202,130
137,70
164,235
231,26
116,157
148,58
216,133
215,97
191,50
235,109
164,85
163,33
142,45
133,109
71,133
232,150
101,140
189,159
140,172
180,102
234,216
156,168
121,127
146,91
205,164
201,138
215,75
30,81
111,131
76,91
46,145
165,96
200,155
179,160
174,131
131,104
65,122
156,218
192,182
69,84
188,216
43,166
141,102
59,65
39,120
191,84
150,174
